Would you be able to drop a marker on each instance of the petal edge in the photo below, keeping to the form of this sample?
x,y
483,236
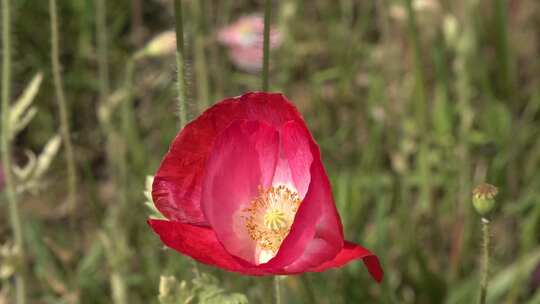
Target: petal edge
x,y
352,252
201,244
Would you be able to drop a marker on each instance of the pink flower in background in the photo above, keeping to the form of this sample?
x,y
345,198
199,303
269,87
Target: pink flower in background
x,y
243,188
244,39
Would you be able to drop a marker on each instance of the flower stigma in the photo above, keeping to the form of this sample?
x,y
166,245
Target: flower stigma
x,y
268,219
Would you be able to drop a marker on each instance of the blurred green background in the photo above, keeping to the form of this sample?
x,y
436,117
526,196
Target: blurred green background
x,y
412,102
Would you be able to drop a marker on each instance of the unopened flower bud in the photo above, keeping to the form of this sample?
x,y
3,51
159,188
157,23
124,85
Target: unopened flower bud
x,y
484,198
163,44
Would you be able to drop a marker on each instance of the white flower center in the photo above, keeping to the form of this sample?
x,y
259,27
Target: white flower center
x,y
269,218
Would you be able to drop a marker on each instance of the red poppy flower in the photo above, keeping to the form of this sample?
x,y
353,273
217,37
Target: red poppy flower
x,y
243,188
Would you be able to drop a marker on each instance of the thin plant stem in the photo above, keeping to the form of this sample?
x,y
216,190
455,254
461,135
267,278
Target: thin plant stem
x,y
126,130
485,261
62,108
14,216
103,61
277,289
129,126
420,91
201,66
136,22
116,159
266,44
181,82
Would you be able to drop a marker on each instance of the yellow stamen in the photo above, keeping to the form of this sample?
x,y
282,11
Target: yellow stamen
x,y
269,218
275,219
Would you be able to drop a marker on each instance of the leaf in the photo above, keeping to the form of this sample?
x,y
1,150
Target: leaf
x,y
173,292
21,113
154,213
23,173
503,281
204,289
209,292
46,156
499,284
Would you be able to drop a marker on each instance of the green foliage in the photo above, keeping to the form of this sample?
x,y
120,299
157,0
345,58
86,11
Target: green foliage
x,y
410,114
204,289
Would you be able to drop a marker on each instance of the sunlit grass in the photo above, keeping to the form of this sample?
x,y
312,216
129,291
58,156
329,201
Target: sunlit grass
x,y
410,113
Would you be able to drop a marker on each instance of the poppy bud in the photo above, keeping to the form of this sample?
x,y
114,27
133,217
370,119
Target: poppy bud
x,y
162,45
484,198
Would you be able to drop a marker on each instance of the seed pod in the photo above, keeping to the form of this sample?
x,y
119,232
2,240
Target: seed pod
x,y
484,198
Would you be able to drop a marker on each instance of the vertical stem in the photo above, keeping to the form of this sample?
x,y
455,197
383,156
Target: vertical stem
x,y
126,131
266,44
62,107
277,289
201,66
103,61
485,261
136,22
116,162
181,83
14,216
500,10
420,97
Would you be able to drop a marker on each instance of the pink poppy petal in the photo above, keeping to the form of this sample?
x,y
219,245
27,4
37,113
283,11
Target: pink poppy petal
x,y
176,190
177,183
241,162
248,59
351,252
316,252
295,145
272,108
201,244
308,218
316,221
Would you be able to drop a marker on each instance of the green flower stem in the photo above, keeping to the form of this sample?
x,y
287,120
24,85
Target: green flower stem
x,y
266,44
181,82
103,61
277,289
420,90
62,107
485,261
127,129
14,216
201,66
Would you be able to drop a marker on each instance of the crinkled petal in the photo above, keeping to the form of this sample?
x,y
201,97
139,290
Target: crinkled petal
x,y
201,244
176,190
177,184
241,162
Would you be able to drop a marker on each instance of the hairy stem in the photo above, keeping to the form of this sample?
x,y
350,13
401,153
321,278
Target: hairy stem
x,y
62,107
485,261
14,216
181,83
266,44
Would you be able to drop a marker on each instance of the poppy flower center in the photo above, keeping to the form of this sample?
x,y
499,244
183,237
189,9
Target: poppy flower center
x,y
269,217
